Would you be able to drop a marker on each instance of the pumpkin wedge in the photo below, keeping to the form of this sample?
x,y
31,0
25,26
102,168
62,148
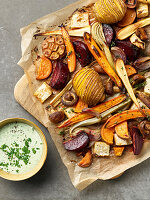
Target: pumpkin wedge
x,y
107,134
122,130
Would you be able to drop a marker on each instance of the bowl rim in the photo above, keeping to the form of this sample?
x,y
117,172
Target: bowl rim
x,y
38,166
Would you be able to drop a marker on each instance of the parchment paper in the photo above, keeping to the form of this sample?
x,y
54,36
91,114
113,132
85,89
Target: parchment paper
x,y
102,168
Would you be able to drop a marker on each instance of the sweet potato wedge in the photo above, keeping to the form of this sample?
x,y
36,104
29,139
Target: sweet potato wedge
x,y
86,160
99,108
124,116
80,106
122,130
130,70
101,59
107,134
45,68
118,151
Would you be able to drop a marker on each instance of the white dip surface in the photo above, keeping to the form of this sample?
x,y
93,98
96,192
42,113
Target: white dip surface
x,y
20,148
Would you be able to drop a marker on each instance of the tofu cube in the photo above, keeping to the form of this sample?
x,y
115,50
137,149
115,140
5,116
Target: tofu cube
x,y
121,142
80,20
147,86
43,92
69,112
142,10
101,149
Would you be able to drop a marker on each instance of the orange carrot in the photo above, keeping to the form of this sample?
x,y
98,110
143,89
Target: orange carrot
x,y
124,116
86,160
130,70
107,134
99,108
122,130
45,68
101,59
118,151
71,56
80,106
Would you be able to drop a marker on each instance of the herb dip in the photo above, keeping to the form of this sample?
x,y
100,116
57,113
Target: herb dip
x,y
20,148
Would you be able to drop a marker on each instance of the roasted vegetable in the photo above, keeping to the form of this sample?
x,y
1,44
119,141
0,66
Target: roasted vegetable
x,y
129,30
109,12
101,59
130,51
77,143
82,52
57,99
69,98
107,134
130,70
121,70
86,160
71,56
53,47
60,76
108,33
118,53
121,142
57,117
44,68
124,116
128,19
43,92
80,106
109,87
131,3
99,37
142,63
147,86
101,149
122,130
75,32
144,127
135,40
118,151
99,108
144,98
137,140
79,20
142,33
100,117
88,86
137,79
142,10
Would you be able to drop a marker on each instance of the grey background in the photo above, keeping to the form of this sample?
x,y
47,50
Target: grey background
x,y
52,182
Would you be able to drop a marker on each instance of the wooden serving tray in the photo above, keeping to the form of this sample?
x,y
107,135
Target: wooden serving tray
x,y
23,97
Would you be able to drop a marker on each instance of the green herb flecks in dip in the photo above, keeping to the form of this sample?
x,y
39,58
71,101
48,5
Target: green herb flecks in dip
x,y
20,148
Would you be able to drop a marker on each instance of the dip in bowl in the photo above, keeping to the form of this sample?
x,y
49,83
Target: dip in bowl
x,y
23,149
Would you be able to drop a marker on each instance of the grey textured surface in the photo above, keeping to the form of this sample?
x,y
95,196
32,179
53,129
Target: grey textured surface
x,y
52,182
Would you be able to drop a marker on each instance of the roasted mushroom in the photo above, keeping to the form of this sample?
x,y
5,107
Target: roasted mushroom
x,y
69,98
144,127
137,78
144,98
109,87
57,117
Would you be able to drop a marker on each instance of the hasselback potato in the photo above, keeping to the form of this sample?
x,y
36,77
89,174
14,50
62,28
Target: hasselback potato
x,y
88,86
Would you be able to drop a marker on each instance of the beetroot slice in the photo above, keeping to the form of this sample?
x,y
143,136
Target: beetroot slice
x,y
77,143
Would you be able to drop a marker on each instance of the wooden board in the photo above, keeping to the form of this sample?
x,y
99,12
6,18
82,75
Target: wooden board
x,y
22,90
